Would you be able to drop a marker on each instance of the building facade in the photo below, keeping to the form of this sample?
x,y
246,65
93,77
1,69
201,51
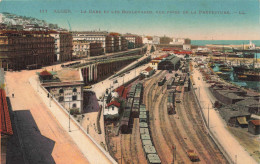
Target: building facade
x,y
134,41
20,49
91,36
81,48
67,88
95,49
63,46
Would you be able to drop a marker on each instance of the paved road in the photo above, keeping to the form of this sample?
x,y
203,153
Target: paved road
x,y
218,126
43,137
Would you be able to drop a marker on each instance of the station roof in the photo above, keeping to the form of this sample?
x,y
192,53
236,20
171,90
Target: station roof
x,y
6,126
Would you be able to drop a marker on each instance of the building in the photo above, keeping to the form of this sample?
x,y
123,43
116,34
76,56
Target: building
x,y
5,126
180,41
170,63
110,44
66,86
147,40
148,71
186,47
254,127
112,109
91,36
156,40
21,49
235,116
134,41
165,40
95,49
154,62
81,48
124,44
251,104
63,46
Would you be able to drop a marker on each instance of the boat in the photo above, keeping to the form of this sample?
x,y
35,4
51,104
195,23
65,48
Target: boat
x,y
249,76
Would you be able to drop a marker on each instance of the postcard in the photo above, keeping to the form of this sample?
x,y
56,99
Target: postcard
x,y
130,81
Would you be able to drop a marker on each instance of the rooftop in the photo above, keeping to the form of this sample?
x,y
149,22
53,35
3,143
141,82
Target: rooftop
x,y
255,122
148,69
66,75
5,121
115,103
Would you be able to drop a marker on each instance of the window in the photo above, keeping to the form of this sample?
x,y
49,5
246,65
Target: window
x,y
61,91
74,105
75,90
74,98
61,99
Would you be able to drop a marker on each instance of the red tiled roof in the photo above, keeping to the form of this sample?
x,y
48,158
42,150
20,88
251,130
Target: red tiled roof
x,y
120,90
5,121
161,57
148,69
45,73
255,122
115,103
124,95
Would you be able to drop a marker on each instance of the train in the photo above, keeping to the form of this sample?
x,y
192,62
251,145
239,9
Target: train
x,y
134,98
146,138
171,103
162,81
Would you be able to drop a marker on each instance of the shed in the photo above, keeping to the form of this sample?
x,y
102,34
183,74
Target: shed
x,y
170,63
254,127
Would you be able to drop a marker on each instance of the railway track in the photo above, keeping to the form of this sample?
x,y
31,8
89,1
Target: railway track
x,y
125,152
207,143
163,124
133,144
194,140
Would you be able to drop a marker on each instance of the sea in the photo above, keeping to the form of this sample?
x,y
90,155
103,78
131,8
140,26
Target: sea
x,y
233,79
226,42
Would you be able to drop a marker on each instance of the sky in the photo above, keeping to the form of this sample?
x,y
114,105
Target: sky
x,y
195,19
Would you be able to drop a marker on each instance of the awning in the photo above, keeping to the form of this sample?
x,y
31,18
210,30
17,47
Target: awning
x,y
242,120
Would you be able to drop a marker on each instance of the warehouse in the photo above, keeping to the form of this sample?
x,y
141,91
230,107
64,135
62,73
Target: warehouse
x,y
254,127
235,116
170,63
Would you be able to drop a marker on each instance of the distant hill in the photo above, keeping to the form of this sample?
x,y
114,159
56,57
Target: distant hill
x,y
13,19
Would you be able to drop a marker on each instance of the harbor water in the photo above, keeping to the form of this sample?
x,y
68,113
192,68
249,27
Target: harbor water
x,y
232,77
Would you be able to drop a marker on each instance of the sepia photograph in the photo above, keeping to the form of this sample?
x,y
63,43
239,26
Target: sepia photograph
x,y
130,81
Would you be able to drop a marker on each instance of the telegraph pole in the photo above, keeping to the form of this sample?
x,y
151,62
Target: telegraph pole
x,y
208,115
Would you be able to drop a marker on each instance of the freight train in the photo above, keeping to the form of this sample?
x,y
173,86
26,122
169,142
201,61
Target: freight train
x,y
134,98
145,135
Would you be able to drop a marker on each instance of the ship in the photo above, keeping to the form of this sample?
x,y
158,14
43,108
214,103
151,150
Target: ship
x,y
249,76
248,55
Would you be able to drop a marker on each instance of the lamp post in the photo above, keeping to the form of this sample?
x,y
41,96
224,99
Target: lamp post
x,y
69,112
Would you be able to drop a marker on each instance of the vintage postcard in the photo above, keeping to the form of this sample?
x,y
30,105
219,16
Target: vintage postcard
x,y
130,81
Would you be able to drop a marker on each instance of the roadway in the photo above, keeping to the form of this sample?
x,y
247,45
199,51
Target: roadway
x,y
217,125
43,130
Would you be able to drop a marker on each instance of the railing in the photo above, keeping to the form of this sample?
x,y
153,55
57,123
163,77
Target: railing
x,y
80,127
